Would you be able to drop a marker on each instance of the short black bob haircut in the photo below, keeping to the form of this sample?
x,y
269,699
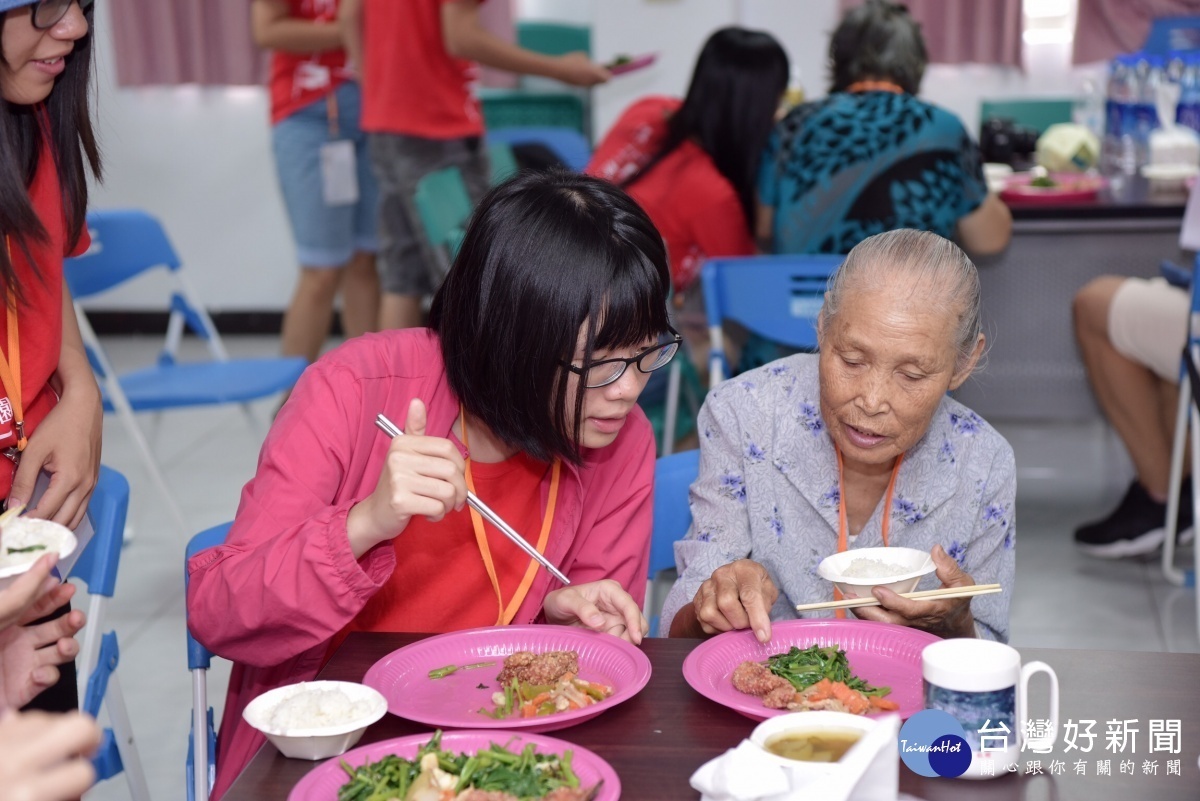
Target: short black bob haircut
x,y
881,41
543,254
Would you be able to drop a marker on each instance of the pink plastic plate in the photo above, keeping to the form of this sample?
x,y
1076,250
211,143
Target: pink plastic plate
x,y
879,653
322,782
454,701
1072,188
641,62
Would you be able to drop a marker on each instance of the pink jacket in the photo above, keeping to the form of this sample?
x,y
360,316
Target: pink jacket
x,y
286,581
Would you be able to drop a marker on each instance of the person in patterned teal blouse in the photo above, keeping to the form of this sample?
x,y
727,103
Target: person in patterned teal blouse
x,y
871,156
864,427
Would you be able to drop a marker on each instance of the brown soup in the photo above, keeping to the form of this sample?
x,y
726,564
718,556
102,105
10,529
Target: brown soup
x,y
819,745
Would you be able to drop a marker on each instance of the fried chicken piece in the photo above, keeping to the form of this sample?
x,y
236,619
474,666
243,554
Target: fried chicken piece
x,y
544,668
471,794
780,697
753,678
569,794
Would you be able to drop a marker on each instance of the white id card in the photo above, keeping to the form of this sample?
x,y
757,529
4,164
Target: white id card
x,y
339,173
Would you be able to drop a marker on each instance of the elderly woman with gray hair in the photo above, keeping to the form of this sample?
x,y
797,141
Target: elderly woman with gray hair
x,y
858,446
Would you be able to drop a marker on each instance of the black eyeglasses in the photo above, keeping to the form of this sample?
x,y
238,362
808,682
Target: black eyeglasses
x,y
47,13
606,371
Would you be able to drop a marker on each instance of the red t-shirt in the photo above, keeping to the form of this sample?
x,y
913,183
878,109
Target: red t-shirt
x,y
695,208
299,79
422,595
40,310
411,85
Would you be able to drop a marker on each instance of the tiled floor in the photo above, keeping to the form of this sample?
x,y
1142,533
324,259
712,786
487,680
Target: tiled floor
x,y
1067,474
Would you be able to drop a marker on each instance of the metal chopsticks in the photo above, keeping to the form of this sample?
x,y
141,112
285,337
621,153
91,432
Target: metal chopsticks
x,y
392,430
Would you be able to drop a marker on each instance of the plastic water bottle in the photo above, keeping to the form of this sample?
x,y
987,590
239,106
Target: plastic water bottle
x,y
1120,142
1151,74
1088,109
1188,113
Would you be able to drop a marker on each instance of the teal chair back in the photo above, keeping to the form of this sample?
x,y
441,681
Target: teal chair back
x,y
554,38
503,162
443,205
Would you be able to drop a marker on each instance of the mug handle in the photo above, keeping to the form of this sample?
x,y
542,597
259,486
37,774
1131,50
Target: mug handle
x,y
1023,703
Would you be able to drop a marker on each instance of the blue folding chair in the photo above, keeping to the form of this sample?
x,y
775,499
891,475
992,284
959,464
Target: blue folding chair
x,y
571,146
99,685
1187,420
127,244
673,475
777,297
202,750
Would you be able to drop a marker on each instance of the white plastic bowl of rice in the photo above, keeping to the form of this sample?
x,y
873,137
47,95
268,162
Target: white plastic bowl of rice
x,y
859,570
24,540
315,719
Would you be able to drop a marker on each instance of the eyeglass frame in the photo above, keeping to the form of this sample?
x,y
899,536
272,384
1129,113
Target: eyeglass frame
x,y
45,26
676,340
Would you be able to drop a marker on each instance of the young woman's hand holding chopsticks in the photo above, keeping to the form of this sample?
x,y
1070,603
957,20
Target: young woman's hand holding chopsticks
x,y
421,476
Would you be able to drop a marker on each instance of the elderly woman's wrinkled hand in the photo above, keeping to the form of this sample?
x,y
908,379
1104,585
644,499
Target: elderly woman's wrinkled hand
x,y
600,606
948,618
738,595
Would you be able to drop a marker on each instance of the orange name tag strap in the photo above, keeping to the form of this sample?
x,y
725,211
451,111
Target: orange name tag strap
x,y
11,375
505,614
843,527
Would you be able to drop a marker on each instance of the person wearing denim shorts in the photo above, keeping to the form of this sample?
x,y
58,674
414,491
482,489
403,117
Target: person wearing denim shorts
x,y
315,101
421,116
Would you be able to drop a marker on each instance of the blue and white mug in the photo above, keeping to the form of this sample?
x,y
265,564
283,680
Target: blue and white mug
x,y
982,684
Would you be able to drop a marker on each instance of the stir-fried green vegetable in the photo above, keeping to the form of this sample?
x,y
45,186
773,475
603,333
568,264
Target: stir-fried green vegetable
x,y
27,549
804,668
443,672
525,774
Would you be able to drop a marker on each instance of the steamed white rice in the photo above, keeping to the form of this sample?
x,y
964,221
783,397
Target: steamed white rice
x,y
315,709
873,569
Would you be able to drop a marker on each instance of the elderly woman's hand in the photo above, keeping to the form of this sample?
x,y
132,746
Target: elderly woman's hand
x,y
600,606
738,595
949,618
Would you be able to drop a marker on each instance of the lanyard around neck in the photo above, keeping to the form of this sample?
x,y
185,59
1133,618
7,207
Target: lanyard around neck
x,y
875,86
843,526
11,375
505,614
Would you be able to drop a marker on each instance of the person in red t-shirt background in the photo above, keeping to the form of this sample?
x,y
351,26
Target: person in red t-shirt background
x,y
693,164
417,60
315,107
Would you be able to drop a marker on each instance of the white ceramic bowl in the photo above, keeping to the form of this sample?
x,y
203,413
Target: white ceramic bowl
x,y
25,531
1169,177
820,720
915,563
318,742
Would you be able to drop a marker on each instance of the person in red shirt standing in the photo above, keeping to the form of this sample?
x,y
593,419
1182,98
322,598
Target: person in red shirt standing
x,y
417,60
693,164
324,171
50,412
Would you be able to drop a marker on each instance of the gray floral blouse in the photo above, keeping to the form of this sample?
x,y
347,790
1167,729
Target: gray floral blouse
x,y
768,490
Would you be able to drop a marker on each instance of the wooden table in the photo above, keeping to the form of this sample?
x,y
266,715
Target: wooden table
x,y
656,740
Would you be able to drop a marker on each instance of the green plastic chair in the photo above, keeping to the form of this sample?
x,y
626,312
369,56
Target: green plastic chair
x,y
521,108
1038,114
554,38
504,163
443,205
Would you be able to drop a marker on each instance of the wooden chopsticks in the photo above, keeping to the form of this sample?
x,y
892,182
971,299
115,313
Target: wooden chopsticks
x,y
10,513
923,595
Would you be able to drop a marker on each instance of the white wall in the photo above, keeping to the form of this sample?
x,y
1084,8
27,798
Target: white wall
x,y
200,158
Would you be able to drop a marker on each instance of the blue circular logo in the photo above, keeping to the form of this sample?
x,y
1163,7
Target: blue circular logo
x,y
933,743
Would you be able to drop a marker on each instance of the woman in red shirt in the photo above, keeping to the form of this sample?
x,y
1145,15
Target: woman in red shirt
x,y
50,414
693,165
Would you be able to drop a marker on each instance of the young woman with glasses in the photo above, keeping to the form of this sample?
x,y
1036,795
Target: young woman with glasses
x,y
50,409
523,390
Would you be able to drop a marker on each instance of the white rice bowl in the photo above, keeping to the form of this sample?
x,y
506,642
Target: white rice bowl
x,y
24,532
315,719
859,570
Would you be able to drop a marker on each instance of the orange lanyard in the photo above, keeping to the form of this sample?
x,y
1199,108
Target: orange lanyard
x,y
12,376
843,527
505,614
875,86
